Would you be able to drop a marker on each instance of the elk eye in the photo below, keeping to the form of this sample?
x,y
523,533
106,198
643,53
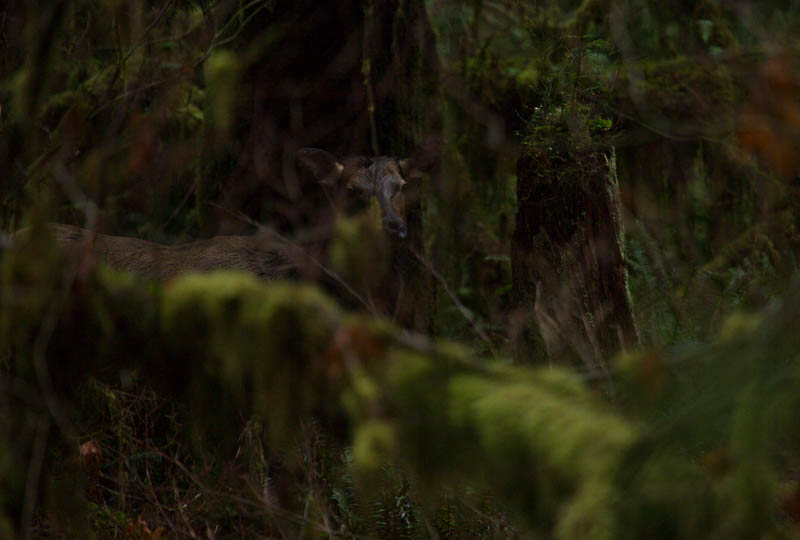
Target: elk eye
x,y
365,189
360,183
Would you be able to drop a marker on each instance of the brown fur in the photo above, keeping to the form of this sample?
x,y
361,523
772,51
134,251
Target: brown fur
x,y
257,253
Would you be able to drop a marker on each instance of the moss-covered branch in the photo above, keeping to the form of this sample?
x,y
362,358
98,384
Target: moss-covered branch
x,y
228,346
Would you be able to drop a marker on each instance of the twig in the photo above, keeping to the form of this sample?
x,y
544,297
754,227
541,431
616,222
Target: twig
x,y
179,505
218,34
179,73
258,503
461,307
306,512
180,206
157,503
34,471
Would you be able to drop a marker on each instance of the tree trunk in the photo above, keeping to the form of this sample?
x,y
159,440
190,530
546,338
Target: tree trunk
x,y
301,86
568,257
353,77
401,75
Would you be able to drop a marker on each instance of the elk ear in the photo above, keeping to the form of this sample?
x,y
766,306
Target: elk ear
x,y
426,158
325,168
408,170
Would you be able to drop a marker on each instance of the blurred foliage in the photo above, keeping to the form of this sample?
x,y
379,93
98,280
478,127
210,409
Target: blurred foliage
x,y
699,442
219,406
699,101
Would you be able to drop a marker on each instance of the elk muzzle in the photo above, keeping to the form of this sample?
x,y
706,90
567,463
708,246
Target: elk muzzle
x,y
394,226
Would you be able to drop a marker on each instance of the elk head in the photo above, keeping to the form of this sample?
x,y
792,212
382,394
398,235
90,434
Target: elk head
x,y
380,177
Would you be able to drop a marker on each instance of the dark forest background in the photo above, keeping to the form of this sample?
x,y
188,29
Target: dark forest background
x,y
591,330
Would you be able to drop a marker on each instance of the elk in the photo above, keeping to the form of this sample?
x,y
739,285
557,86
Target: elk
x,y
361,178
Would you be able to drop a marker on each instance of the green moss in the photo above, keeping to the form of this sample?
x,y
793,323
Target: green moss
x,y
738,325
537,436
373,445
360,253
266,344
587,515
222,72
564,142
564,428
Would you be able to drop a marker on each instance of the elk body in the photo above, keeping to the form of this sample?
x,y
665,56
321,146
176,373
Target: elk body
x,y
359,178
256,253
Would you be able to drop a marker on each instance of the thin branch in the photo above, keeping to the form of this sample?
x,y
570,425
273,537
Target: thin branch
x,y
218,34
180,206
34,473
461,307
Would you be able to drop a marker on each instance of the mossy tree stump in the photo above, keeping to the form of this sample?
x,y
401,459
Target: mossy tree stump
x,y
568,258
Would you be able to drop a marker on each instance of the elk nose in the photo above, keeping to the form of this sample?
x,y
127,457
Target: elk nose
x,y
395,227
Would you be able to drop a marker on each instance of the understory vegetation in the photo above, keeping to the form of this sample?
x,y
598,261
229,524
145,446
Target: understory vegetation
x,y
514,367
